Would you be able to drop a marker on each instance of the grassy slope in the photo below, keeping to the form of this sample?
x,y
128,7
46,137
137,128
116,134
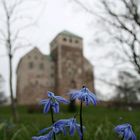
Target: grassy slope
x,y
99,123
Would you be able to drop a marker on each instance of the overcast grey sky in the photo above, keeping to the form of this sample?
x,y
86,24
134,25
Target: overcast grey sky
x,y
56,16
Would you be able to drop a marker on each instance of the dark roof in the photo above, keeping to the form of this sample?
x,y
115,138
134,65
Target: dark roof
x,y
67,33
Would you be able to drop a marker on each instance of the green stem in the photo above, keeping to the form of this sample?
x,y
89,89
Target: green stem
x,y
81,121
52,116
122,138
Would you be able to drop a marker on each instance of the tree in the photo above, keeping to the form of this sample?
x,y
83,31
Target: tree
x,y
13,22
128,88
121,21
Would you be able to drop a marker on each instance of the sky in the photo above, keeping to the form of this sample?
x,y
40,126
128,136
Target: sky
x,y
53,17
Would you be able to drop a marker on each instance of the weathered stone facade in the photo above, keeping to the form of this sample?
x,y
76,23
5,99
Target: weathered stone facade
x,y
64,69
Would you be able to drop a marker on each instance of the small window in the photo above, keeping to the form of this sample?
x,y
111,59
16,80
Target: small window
x,y
41,66
64,39
76,41
31,65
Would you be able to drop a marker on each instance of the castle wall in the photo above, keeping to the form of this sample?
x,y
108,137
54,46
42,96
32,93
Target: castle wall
x,y
35,73
64,69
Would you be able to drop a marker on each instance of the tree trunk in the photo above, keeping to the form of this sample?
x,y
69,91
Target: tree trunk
x,y
13,102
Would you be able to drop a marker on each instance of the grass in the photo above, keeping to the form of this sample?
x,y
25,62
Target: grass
x,y
99,123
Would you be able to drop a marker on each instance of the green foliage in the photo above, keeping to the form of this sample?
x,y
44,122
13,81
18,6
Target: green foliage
x,y
99,122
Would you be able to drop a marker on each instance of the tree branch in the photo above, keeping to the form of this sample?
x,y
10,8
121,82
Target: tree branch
x,y
21,46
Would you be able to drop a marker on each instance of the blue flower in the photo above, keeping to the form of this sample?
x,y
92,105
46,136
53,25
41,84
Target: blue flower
x,y
84,95
125,130
73,126
57,127
60,127
53,101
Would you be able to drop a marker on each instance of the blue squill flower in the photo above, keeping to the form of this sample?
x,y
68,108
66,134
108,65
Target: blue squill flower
x,y
74,126
71,124
59,127
53,101
84,95
125,130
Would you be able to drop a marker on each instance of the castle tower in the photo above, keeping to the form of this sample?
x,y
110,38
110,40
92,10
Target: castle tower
x,y
67,54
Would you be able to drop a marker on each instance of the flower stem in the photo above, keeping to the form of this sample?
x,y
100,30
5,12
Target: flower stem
x,y
52,116
122,138
81,121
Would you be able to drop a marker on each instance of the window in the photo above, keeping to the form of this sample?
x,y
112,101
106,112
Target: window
x,y
64,39
76,41
31,65
41,66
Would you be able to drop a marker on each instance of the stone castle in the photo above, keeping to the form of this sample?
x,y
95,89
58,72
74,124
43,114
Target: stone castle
x,y
64,69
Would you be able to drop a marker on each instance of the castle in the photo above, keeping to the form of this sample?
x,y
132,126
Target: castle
x,y
64,69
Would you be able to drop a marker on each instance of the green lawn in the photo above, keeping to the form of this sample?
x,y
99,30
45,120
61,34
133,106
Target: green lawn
x,y
99,123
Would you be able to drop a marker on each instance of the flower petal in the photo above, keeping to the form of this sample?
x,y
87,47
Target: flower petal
x,y
61,99
39,138
56,107
50,94
46,107
44,130
72,130
43,101
79,132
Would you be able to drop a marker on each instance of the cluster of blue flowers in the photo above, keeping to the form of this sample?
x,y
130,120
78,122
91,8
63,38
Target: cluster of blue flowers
x,y
63,125
60,127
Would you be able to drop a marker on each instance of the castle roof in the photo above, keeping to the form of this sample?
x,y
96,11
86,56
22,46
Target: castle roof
x,y
67,33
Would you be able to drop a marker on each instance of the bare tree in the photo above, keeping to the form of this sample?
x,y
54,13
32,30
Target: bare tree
x,y
14,22
121,20
128,88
